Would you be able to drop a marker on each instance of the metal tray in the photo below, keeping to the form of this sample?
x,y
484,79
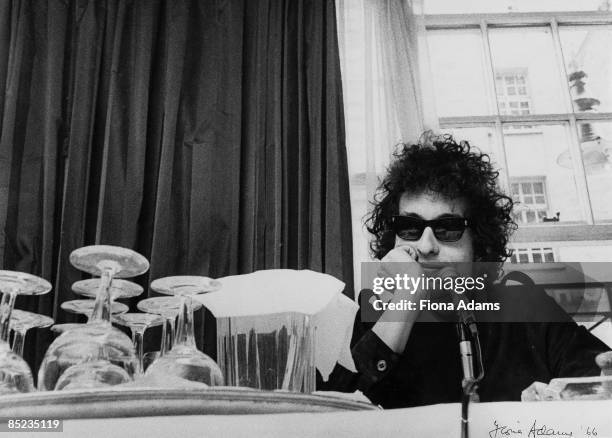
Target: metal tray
x,y
145,402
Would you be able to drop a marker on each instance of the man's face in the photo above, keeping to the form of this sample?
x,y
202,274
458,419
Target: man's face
x,y
432,252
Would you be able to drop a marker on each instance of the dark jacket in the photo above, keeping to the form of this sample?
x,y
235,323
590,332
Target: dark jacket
x,y
515,355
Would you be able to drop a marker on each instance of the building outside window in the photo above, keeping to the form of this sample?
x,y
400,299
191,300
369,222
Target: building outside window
x,y
512,93
529,84
529,195
533,255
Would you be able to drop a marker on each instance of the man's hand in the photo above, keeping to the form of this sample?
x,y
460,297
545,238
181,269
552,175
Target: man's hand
x,y
604,361
400,260
394,327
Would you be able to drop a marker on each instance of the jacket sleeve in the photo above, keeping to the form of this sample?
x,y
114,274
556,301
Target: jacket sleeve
x,y
374,360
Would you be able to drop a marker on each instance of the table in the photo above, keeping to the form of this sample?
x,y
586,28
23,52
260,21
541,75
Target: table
x,y
337,418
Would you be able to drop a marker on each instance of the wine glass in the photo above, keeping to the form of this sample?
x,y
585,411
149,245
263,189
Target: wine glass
x,y
21,322
138,323
168,308
15,374
86,307
97,346
119,288
184,359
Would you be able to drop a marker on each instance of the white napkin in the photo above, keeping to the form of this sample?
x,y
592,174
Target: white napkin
x,y
286,290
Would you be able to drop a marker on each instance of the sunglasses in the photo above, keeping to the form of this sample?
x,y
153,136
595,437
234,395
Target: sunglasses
x,y
447,229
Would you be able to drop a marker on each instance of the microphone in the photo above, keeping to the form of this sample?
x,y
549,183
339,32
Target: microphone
x,y
467,332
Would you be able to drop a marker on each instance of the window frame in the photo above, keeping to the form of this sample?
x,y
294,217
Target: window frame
x,y
531,180
498,122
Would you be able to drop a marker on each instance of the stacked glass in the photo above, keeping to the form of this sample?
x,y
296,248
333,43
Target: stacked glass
x,y
95,354
15,374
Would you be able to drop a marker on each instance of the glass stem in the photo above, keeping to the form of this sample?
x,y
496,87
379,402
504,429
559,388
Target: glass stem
x,y
185,335
164,340
102,306
172,333
138,344
6,308
18,339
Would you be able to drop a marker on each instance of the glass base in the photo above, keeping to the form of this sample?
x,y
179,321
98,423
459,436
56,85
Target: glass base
x,y
189,364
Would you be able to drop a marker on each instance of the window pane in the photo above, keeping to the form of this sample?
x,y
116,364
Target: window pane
x,y
499,6
528,54
537,257
457,67
532,156
597,159
588,60
526,188
538,188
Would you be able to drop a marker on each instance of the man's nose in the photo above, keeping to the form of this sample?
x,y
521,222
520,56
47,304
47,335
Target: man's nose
x,y
428,244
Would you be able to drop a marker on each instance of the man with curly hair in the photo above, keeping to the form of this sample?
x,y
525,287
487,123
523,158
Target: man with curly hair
x,y
440,205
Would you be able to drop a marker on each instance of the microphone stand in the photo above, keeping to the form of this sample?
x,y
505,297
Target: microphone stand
x,y
469,345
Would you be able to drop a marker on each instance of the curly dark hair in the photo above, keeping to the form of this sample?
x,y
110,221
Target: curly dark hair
x,y
454,171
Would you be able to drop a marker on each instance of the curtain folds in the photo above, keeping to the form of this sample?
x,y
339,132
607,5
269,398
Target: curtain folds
x,y
207,135
388,93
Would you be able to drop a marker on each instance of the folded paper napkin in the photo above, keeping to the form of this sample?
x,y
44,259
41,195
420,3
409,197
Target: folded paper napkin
x,y
286,290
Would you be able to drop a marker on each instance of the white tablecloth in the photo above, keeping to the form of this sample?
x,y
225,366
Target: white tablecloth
x,y
537,419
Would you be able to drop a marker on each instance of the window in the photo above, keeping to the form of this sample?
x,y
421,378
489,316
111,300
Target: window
x,y
533,90
533,255
530,198
512,95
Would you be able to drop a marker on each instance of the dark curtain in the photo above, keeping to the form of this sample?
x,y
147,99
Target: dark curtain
x,y
206,135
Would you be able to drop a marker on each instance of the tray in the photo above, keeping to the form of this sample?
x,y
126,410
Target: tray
x,y
145,402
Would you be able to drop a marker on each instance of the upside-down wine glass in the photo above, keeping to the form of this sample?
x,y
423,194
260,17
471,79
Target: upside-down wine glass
x,y
168,308
15,374
184,360
93,355
138,324
21,322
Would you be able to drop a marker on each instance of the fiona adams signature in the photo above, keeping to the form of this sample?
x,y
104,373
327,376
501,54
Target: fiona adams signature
x,y
501,431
